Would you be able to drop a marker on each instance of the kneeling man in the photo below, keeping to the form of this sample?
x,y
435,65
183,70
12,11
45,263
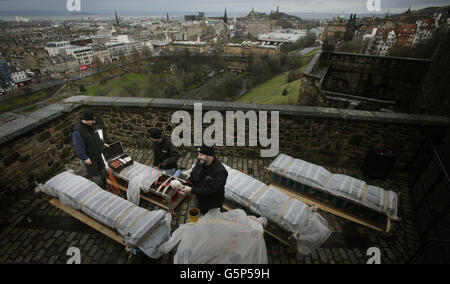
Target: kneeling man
x,y
208,180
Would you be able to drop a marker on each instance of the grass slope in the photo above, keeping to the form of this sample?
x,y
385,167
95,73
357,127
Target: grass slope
x,y
271,91
22,101
116,84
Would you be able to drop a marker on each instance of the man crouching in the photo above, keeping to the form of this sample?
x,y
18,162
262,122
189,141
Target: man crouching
x,y
208,180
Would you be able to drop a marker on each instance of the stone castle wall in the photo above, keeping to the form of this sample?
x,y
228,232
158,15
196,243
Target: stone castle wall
x,y
334,76
34,148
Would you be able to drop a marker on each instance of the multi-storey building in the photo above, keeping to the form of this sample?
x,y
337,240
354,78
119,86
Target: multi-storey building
x,y
101,53
250,48
5,74
135,47
258,27
425,29
59,64
190,46
56,47
191,31
406,34
117,50
380,41
83,54
18,76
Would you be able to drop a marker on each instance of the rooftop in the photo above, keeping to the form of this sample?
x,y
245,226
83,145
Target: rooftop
x,y
115,43
196,43
282,36
80,48
38,146
32,230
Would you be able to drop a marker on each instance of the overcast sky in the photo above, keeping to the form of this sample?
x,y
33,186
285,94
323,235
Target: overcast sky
x,y
148,6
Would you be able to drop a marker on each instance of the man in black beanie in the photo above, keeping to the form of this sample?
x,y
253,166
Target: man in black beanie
x,y
208,180
165,153
88,147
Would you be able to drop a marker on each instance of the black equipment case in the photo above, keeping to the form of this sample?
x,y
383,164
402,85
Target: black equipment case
x,y
116,158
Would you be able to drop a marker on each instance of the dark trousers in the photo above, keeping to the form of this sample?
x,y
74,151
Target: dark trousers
x,y
96,172
203,211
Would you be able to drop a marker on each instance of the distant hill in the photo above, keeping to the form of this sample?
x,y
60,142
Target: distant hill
x,y
425,12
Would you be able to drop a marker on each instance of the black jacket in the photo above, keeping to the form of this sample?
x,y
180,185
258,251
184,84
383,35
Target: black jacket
x,y
208,184
165,152
93,145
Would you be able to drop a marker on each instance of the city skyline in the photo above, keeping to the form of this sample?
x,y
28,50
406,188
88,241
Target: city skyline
x,y
213,7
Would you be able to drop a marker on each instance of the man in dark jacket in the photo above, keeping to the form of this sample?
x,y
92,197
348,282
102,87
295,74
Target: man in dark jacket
x,y
88,147
165,153
208,180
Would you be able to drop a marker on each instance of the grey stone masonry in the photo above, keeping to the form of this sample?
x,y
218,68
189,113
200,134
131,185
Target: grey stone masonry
x,y
34,146
312,112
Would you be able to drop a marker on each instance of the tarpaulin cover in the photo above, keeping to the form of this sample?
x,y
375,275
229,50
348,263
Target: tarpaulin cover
x,y
139,177
350,188
308,227
220,238
135,170
140,228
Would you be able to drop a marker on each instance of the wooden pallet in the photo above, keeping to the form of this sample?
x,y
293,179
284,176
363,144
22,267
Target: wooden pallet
x,y
271,229
382,227
166,204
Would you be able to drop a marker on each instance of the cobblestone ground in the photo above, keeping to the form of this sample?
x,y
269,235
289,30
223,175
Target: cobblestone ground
x,y
34,231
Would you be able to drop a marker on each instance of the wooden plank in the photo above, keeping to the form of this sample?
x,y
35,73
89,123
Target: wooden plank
x,y
178,200
325,207
143,196
277,234
167,187
269,180
116,184
163,183
153,200
88,221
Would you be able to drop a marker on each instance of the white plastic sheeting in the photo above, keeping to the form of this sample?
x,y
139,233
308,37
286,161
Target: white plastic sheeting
x,y
139,176
220,238
308,227
136,169
339,185
140,228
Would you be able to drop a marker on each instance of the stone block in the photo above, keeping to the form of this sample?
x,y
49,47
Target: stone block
x,y
101,101
206,105
76,99
357,115
167,103
133,102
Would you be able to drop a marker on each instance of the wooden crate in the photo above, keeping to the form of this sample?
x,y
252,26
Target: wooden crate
x,y
164,199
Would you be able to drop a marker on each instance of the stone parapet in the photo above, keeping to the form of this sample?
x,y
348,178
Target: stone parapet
x,y
34,147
